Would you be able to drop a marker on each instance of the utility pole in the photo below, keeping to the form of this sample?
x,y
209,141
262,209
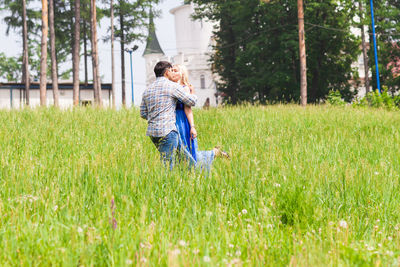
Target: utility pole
x,y
112,55
130,51
25,71
54,72
75,54
302,48
375,46
364,48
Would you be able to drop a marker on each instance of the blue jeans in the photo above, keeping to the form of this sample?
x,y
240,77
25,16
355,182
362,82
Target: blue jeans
x,y
168,146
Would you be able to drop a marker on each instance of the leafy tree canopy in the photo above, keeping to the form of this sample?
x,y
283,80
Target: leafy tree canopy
x,y
257,54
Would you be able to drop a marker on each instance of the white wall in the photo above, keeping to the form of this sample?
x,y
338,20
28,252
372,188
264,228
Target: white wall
x,y
65,98
191,35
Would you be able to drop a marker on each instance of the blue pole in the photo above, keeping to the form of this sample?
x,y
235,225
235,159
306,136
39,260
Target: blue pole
x,y
133,98
375,47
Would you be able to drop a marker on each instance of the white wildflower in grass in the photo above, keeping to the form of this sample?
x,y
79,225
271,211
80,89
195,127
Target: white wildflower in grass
x,y
238,253
343,224
390,238
380,245
206,259
370,248
196,251
389,253
80,230
146,245
128,262
396,228
269,226
376,227
376,173
29,198
244,211
377,220
182,243
231,245
277,185
144,260
235,262
176,252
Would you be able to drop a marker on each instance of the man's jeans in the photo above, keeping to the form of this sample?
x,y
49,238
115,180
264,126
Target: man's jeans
x,y
167,146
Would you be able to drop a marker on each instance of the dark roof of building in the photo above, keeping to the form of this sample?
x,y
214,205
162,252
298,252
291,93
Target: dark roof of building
x,y
61,86
152,46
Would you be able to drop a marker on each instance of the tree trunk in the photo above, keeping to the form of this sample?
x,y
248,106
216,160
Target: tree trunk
x,y
95,59
75,54
25,70
121,18
364,49
54,74
85,52
43,57
112,55
302,48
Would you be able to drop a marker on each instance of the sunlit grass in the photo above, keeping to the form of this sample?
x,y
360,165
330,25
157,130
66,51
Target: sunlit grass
x,y
309,187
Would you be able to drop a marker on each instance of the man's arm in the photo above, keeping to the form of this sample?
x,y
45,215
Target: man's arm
x,y
143,110
187,98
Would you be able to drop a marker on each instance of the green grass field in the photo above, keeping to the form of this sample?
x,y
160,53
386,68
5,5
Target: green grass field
x,y
305,187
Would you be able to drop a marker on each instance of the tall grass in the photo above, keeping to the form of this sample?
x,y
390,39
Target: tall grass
x,y
309,187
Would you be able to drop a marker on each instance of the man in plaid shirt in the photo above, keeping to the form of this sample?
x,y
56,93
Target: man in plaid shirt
x,y
158,108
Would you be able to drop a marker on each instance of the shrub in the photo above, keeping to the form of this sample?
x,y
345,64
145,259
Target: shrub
x,y
378,100
335,98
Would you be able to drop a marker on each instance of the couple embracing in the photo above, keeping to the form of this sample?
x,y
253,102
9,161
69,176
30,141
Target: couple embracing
x,y
166,105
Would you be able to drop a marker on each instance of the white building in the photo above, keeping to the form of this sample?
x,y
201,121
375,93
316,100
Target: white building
x,y
12,95
359,64
194,47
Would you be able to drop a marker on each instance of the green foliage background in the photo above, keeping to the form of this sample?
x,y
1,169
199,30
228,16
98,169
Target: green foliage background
x,y
257,47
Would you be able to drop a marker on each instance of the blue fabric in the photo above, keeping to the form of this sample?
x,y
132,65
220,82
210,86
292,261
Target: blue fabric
x,y
182,124
203,159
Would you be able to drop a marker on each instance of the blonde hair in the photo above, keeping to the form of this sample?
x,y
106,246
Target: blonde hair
x,y
185,74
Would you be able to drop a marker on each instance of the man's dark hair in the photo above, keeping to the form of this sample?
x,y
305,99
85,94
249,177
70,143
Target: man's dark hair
x,y
161,67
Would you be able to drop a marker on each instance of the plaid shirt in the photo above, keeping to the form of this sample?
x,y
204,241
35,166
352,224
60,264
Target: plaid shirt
x,y
159,104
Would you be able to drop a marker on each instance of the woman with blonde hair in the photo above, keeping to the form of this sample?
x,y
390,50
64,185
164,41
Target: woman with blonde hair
x,y
186,127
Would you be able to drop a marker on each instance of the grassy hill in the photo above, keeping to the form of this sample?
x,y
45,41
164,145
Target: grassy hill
x,y
309,187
